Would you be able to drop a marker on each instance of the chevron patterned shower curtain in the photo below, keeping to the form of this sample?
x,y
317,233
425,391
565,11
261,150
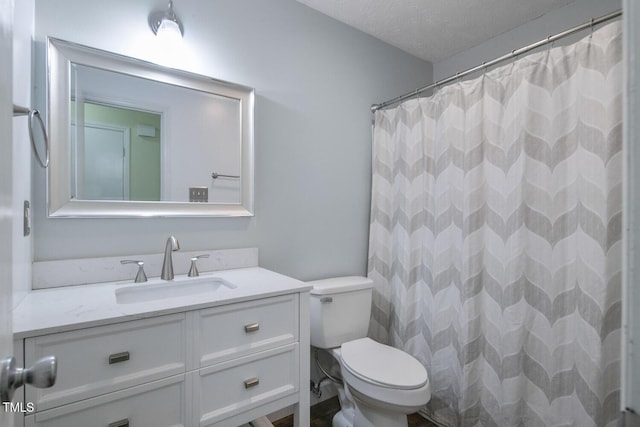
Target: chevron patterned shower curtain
x,y
495,239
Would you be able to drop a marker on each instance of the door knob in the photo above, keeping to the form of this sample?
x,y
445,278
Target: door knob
x,y
41,375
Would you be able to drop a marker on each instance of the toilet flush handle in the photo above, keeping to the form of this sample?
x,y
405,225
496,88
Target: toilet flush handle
x,y
326,300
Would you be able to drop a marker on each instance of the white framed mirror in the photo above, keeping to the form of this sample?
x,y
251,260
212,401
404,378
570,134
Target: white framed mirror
x,y
134,139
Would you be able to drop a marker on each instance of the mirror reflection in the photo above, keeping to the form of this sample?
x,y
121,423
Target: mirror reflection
x,y
118,151
127,134
115,153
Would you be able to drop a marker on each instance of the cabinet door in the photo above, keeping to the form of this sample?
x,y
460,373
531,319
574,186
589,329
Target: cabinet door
x,y
104,359
160,403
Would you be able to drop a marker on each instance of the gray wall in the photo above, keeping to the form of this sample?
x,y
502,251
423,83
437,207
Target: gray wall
x,y
315,79
558,20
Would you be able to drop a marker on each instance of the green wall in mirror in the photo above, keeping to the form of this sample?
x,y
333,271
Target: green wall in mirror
x,y
142,174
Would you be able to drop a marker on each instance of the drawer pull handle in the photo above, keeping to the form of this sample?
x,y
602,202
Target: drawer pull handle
x,y
325,300
118,358
252,327
121,423
252,382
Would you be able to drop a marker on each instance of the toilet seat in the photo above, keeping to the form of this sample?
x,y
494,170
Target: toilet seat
x,y
383,365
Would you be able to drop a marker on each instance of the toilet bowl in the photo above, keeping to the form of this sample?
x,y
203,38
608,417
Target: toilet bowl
x,y
385,383
382,384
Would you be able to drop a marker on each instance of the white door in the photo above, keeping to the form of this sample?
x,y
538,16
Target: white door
x,y
6,215
101,162
631,284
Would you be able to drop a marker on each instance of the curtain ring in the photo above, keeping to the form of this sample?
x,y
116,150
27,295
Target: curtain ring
x,y
514,56
550,43
35,113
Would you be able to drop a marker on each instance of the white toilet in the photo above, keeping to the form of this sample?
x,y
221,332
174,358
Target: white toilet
x,y
383,384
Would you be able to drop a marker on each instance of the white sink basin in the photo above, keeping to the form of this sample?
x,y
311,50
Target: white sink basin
x,y
163,290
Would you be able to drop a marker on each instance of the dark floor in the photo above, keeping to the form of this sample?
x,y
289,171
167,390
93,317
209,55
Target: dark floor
x,y
322,414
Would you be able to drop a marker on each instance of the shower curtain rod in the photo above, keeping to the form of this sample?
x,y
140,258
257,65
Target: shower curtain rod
x,y
550,39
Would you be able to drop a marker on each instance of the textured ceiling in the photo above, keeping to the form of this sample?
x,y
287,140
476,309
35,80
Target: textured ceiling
x,y
434,29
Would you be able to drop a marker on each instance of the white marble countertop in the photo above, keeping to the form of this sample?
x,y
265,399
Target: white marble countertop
x,y
54,310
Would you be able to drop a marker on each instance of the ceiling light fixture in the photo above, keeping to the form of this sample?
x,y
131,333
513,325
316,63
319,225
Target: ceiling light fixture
x,y
166,25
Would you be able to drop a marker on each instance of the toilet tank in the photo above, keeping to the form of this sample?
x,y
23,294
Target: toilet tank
x,y
340,310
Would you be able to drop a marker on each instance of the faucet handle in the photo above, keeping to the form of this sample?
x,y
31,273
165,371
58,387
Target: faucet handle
x,y
141,276
193,271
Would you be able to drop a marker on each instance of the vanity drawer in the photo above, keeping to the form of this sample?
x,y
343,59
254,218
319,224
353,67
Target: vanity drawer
x,y
227,389
161,403
240,329
104,359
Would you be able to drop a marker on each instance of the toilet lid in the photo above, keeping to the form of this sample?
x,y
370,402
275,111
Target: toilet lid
x,y
382,364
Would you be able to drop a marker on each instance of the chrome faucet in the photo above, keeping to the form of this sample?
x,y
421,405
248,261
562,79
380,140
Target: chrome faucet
x,y
167,263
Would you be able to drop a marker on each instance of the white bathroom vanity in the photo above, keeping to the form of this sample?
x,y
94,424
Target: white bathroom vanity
x,y
150,355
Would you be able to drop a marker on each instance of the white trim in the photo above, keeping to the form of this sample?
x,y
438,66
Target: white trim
x,y
630,369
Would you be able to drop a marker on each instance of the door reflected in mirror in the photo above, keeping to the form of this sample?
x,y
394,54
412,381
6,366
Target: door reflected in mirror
x,y
115,153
